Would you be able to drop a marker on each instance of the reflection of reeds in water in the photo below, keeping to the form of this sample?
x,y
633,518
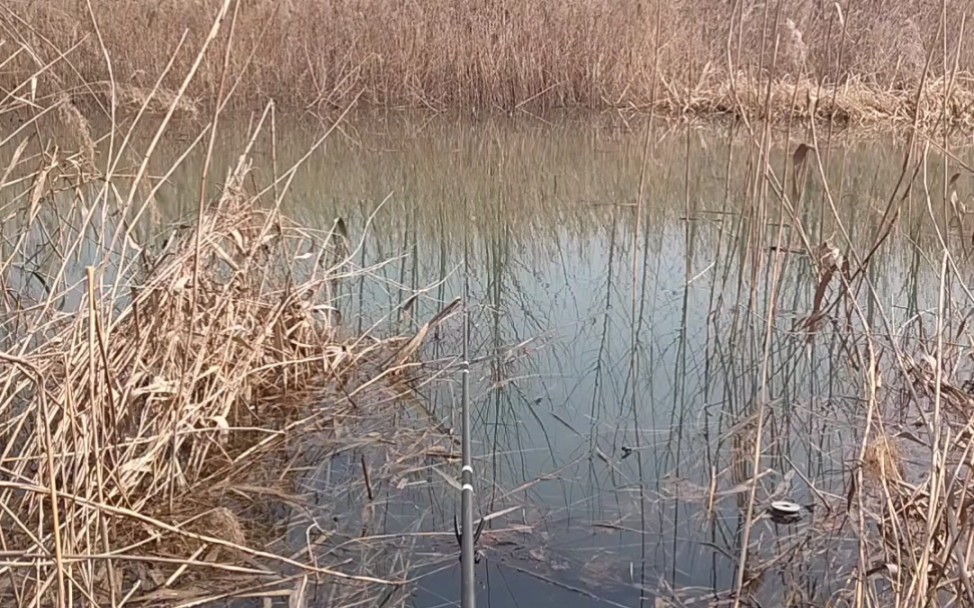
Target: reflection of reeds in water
x,y
719,319
649,369
708,363
785,404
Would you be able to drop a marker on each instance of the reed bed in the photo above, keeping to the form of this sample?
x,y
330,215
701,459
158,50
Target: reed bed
x,y
854,103
896,529
168,396
494,56
152,436
164,405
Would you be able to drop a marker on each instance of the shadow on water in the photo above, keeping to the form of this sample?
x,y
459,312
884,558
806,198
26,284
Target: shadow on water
x,y
585,323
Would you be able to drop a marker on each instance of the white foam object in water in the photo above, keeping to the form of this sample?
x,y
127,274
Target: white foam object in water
x,y
784,507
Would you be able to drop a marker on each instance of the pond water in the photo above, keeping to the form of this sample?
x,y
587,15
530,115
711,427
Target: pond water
x,y
637,299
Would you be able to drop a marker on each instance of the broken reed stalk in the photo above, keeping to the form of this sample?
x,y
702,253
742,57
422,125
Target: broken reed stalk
x,y
365,475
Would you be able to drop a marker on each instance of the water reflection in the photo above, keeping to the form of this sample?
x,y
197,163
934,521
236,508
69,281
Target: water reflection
x,y
623,369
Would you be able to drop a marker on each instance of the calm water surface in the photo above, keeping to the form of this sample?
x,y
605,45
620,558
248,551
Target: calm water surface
x,y
620,366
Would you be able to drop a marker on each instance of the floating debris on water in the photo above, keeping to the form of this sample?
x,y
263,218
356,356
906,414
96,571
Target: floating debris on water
x,y
785,511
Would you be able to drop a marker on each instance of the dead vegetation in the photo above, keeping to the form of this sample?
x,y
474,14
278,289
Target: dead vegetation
x,y
893,527
866,59
163,411
166,403
854,103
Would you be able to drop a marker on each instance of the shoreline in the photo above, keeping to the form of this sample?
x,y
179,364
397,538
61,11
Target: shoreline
x,y
783,102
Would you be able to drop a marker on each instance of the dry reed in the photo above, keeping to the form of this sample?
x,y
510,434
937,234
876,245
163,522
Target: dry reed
x,y
675,56
902,532
161,406
131,421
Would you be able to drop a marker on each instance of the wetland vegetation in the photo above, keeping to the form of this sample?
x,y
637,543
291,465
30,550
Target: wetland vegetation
x,y
857,62
233,249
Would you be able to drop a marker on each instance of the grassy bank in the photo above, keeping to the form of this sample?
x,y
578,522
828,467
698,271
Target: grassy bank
x,y
854,61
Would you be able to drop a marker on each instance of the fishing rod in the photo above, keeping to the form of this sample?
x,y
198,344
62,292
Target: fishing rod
x,y
467,537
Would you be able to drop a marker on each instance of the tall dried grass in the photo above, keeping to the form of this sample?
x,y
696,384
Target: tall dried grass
x,y
902,533
487,55
152,395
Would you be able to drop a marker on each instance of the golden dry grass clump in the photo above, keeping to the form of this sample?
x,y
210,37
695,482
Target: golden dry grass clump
x,y
853,103
137,422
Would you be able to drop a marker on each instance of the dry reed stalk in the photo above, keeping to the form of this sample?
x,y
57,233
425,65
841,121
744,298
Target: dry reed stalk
x,y
132,423
509,56
905,506
162,393
139,424
908,502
